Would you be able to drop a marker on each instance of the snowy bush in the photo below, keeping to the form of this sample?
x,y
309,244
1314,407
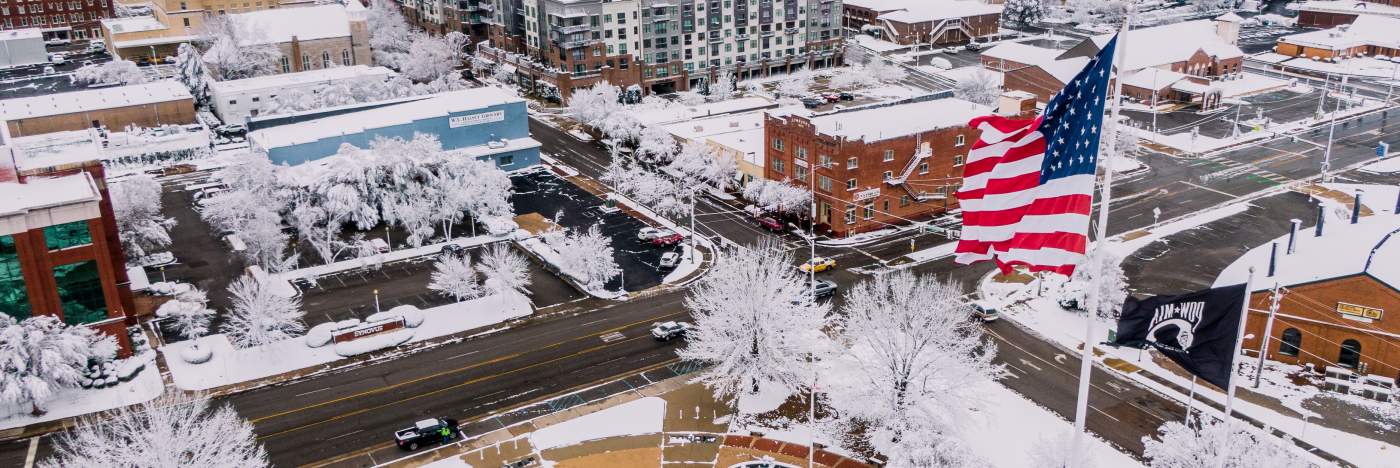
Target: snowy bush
x,y
1105,286
1022,12
454,277
587,256
504,270
115,71
141,226
883,71
260,315
374,342
778,196
41,355
172,431
321,334
979,87
1059,451
1213,444
190,71
196,354
188,313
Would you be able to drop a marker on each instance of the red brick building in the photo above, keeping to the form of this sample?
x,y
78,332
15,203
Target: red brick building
x,y
59,249
58,19
1329,14
874,167
927,22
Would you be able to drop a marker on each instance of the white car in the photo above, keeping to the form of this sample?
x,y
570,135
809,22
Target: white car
x,y
665,331
647,234
669,260
984,310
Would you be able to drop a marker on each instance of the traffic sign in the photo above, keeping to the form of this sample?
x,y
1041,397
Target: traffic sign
x,y
1382,149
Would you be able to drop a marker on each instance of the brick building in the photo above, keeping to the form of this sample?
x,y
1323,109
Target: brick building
x,y
59,249
876,166
143,105
58,19
1368,35
1340,295
940,22
1333,13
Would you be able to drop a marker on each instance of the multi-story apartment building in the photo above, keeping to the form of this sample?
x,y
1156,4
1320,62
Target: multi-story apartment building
x,y
659,45
442,16
58,19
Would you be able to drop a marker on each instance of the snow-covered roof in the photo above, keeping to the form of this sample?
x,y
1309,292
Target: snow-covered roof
x,y
1171,43
159,40
1065,69
56,149
748,142
133,24
324,75
1372,30
279,25
1229,18
880,123
93,99
699,128
27,33
38,193
1369,246
935,10
879,5
1351,7
1153,78
398,114
676,113
1021,53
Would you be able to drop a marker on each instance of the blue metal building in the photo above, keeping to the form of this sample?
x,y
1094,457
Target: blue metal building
x,y
485,123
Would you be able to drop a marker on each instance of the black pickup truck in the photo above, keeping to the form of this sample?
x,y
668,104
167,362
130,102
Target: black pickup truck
x,y
427,431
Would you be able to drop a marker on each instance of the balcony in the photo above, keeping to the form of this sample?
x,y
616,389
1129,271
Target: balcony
x,y
576,43
577,28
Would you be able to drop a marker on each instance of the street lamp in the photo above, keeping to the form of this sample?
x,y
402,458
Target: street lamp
x,y
376,301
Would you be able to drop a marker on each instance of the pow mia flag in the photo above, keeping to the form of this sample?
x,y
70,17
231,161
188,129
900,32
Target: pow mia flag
x,y
1197,330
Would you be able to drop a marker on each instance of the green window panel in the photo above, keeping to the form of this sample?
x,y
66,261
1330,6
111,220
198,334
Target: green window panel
x,y
62,236
80,292
14,298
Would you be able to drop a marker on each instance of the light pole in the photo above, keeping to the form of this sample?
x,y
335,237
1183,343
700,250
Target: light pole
x,y
376,301
1331,132
1394,67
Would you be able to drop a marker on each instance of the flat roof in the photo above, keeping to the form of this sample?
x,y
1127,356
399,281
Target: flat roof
x,y
748,141
934,10
150,41
279,25
133,24
38,193
398,114
1022,53
699,128
324,75
680,112
885,122
26,33
56,149
1372,30
93,99
879,5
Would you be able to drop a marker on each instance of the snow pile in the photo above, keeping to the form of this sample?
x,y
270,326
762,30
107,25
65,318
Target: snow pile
x,y
1124,165
1011,425
69,402
230,365
1388,165
642,416
373,343
394,256
932,253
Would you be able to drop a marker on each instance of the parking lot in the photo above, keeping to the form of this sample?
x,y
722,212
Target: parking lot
x,y
574,208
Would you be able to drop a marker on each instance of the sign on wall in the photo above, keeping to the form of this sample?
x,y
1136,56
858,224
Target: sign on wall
x,y
1359,312
368,329
867,194
476,119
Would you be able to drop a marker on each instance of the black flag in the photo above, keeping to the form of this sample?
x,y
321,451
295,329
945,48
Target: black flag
x,y
1197,330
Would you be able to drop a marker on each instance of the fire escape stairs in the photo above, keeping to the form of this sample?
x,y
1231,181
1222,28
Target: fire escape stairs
x,y
903,178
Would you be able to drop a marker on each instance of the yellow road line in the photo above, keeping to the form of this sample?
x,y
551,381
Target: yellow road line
x,y
450,371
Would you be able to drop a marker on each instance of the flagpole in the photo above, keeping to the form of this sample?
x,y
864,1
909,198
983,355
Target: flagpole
x,y
1239,344
1190,400
1086,358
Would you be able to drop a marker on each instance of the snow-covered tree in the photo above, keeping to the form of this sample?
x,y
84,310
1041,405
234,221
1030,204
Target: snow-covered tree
x,y
454,276
723,88
755,325
912,360
980,87
656,144
849,78
111,72
588,257
1060,450
1213,444
883,71
429,58
505,270
172,431
1022,12
389,33
260,314
188,312
595,103
235,50
457,43
1105,287
795,86
189,71
778,196
698,163
41,355
142,228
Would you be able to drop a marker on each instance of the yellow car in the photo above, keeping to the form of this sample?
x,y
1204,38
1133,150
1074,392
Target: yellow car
x,y
819,264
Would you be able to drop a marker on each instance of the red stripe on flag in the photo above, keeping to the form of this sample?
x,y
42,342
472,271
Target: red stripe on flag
x,y
1066,204
1067,241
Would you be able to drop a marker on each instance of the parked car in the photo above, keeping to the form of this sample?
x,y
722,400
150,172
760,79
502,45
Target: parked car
x,y
824,288
48,70
847,96
669,260
668,240
985,311
87,63
647,234
818,264
58,41
812,103
427,431
96,46
58,58
231,131
831,97
974,46
770,224
451,251
666,331
754,211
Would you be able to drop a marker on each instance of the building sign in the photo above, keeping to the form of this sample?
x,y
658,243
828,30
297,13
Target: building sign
x,y
476,119
867,194
1359,312
368,329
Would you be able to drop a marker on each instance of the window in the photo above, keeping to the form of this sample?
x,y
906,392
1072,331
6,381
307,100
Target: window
x,y
851,163
889,155
869,211
305,62
1350,356
345,57
961,139
286,64
850,184
186,21
889,175
80,292
506,160
1292,341
903,200
778,165
14,299
957,160
851,215
62,236
824,183
800,172
824,160
778,144
801,153
923,168
325,59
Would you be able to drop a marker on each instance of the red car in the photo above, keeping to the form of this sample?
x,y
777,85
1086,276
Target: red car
x,y
831,97
667,241
770,224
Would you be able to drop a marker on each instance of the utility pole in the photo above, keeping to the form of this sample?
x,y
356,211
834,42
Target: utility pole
x,y
1331,132
1268,329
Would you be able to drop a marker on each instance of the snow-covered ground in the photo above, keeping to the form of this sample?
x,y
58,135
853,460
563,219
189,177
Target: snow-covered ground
x,y
641,416
870,42
690,261
1388,165
78,401
1360,66
1183,141
230,365
316,271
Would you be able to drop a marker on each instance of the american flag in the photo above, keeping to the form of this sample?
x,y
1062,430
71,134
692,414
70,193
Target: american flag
x,y
1028,184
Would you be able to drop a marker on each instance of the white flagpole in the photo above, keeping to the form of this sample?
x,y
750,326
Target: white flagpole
x,y
1235,358
1190,400
1086,358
